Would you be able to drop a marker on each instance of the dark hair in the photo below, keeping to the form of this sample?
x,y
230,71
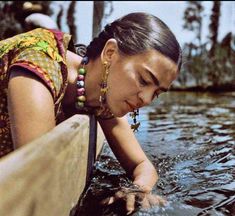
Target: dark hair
x,y
136,33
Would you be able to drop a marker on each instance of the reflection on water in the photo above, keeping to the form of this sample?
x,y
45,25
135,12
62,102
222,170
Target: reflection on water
x,y
190,138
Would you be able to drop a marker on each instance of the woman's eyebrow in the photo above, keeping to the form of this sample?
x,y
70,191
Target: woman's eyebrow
x,y
156,81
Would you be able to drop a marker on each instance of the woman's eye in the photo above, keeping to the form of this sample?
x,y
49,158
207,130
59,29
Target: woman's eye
x,y
143,82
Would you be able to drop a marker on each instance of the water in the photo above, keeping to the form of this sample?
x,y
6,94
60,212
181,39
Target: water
x,y
190,138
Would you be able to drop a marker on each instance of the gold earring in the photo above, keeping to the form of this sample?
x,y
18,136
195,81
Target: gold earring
x,y
135,124
103,84
103,112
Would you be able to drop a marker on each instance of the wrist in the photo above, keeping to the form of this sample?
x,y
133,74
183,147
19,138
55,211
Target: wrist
x,y
146,180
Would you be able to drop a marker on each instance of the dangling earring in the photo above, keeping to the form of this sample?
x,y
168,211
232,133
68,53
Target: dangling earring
x,y
103,84
135,124
104,112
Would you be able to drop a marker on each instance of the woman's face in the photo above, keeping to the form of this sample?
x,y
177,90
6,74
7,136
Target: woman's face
x,y
134,81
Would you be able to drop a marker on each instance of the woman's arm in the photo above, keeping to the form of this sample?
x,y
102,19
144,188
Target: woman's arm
x,y
30,106
129,152
131,156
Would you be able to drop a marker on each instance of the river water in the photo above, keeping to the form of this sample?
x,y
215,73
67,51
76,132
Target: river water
x,y
190,138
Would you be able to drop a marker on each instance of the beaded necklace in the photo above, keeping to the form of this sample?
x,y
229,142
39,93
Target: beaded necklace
x,y
81,98
102,111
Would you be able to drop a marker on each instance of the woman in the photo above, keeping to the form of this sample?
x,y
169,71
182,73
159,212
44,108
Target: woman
x,y
132,61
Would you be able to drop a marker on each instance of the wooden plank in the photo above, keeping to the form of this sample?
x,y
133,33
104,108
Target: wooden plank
x,y
47,176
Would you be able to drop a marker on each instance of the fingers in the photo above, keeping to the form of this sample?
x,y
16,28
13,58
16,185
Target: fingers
x,y
145,203
120,194
157,200
162,201
130,203
107,201
110,200
153,200
146,200
129,198
145,188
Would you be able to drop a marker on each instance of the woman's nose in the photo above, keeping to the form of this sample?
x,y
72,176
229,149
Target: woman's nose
x,y
147,96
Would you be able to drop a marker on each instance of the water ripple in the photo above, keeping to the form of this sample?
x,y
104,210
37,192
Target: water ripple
x,y
190,138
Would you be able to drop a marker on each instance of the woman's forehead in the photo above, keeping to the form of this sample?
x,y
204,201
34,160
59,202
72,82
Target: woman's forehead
x,y
155,60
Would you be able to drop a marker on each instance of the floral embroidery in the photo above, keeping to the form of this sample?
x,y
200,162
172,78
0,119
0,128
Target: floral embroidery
x,y
31,41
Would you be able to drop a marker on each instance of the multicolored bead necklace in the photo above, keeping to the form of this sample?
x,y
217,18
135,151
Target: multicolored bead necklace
x,y
81,98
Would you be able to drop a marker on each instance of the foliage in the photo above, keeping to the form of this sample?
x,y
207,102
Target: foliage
x,y
193,19
9,25
209,73
12,22
13,14
210,67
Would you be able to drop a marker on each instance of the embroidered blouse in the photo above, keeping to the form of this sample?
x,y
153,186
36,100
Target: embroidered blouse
x,y
42,52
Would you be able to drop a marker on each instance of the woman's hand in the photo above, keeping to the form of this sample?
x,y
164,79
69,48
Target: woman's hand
x,y
135,196
139,193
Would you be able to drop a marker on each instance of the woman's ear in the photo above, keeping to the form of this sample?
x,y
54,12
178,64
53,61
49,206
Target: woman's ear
x,y
110,50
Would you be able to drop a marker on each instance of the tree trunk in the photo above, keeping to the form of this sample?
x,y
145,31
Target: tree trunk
x,y
214,26
59,18
98,14
71,20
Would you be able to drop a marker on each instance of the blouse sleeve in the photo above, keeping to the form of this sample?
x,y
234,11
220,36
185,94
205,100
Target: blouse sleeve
x,y
43,66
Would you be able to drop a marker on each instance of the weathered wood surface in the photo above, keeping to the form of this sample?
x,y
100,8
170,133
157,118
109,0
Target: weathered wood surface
x,y
46,177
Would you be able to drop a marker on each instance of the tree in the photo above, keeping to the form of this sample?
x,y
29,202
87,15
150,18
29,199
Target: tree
x,y
214,26
71,20
193,21
59,17
99,15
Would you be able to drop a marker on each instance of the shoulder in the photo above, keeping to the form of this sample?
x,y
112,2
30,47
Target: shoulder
x,y
30,106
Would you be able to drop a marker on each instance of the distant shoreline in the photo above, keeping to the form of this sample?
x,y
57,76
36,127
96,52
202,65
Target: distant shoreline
x,y
223,88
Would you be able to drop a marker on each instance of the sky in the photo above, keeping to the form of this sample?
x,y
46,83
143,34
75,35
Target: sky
x,y
171,12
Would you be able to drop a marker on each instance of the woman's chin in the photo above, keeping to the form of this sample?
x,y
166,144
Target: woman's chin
x,y
119,113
